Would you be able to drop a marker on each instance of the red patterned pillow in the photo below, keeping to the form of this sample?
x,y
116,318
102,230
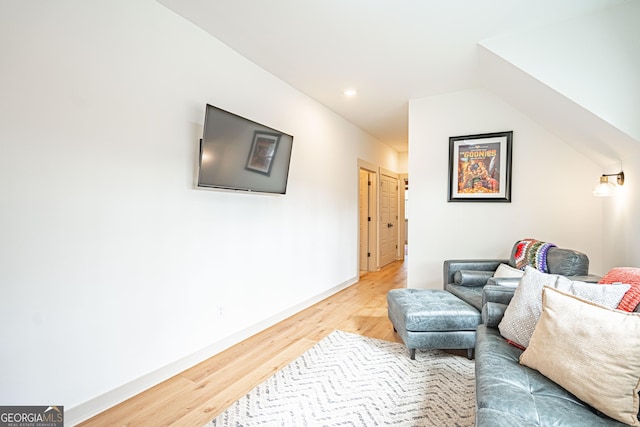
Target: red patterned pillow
x,y
629,275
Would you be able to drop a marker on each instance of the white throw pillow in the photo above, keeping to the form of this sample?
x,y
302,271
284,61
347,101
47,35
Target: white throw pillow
x,y
603,295
505,270
591,351
522,313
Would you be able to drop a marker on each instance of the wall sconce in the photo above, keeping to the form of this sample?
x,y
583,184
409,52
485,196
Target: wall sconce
x,y
606,188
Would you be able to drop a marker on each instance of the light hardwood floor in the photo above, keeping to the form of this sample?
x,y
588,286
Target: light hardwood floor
x,y
197,395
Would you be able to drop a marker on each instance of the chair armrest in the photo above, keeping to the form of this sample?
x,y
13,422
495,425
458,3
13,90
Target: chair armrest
x,y
451,266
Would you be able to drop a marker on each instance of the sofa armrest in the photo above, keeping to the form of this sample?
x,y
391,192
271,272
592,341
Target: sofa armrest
x,y
495,299
504,281
591,278
497,293
451,266
492,313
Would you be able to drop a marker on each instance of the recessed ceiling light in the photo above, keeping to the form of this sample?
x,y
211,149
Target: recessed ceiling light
x,y
350,92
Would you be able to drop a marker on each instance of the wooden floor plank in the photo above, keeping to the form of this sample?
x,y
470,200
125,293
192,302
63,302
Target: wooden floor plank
x,y
199,394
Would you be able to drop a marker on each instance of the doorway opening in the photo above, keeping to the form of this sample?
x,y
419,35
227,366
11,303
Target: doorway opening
x,y
382,217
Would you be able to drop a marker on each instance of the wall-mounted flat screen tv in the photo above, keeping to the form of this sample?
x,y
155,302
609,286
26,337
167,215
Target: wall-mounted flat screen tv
x,y
240,154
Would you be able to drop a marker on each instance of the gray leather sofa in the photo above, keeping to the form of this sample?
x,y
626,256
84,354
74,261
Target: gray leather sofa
x,y
509,394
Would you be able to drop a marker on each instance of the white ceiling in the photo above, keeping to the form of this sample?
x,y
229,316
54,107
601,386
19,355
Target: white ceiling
x,y
390,51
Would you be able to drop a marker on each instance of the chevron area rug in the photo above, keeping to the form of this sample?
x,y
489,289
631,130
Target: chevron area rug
x,y
351,380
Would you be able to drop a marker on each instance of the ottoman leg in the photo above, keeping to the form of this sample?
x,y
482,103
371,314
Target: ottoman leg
x,y
412,353
469,353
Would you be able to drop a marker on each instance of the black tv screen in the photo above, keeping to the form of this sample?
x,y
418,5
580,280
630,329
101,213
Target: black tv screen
x,y
240,154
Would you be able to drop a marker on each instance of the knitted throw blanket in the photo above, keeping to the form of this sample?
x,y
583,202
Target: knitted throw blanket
x,y
532,252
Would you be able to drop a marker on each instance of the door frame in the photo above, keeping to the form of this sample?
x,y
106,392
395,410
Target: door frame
x,y
372,244
404,239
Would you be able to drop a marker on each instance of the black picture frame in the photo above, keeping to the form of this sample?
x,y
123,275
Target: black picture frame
x,y
480,167
263,151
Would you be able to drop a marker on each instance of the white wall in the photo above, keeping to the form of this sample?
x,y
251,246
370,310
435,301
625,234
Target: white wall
x,y
403,162
112,265
620,221
592,60
551,189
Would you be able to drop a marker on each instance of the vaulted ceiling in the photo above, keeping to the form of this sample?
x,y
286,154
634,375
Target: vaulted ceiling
x,y
389,51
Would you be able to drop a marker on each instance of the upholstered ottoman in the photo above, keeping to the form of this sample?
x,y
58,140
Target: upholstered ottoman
x,y
433,319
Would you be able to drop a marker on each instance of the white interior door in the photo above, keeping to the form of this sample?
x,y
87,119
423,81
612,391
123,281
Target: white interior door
x,y
388,219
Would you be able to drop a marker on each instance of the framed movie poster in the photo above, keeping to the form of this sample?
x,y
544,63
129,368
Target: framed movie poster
x,y
263,150
480,167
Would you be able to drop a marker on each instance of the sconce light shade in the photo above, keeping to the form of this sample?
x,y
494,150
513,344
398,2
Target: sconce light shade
x,y
606,188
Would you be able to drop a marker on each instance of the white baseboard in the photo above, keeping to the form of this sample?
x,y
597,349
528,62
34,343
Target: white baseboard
x,y
93,407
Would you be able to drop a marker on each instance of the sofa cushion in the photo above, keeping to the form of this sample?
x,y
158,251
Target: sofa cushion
x,y
524,310
567,262
472,277
631,276
509,394
471,295
591,351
